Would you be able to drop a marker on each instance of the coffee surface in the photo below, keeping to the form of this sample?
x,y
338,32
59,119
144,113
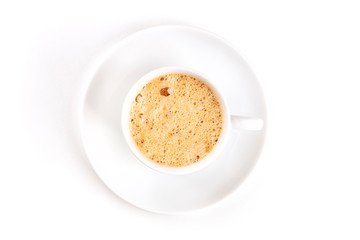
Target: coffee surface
x,y
175,120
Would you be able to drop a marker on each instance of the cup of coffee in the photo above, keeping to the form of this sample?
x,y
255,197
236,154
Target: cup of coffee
x,y
175,121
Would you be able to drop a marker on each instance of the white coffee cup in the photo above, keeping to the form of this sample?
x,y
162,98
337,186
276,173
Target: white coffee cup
x,y
239,122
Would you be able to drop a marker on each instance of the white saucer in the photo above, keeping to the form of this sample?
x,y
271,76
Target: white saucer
x,y
103,140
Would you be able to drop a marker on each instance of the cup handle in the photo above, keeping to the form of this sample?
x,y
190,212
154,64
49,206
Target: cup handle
x,y
246,123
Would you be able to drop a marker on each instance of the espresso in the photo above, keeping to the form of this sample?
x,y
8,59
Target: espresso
x,y
176,120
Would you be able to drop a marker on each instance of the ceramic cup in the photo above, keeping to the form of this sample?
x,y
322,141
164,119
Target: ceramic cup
x,y
229,121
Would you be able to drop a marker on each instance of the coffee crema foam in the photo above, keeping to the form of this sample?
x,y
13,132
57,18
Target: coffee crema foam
x,y
175,120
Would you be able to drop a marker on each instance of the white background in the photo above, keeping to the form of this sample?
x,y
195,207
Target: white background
x,y
306,184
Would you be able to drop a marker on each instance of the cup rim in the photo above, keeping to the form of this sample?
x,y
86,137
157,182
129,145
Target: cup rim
x,y
132,145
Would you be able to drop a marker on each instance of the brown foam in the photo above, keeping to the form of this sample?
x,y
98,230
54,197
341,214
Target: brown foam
x,y
175,120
